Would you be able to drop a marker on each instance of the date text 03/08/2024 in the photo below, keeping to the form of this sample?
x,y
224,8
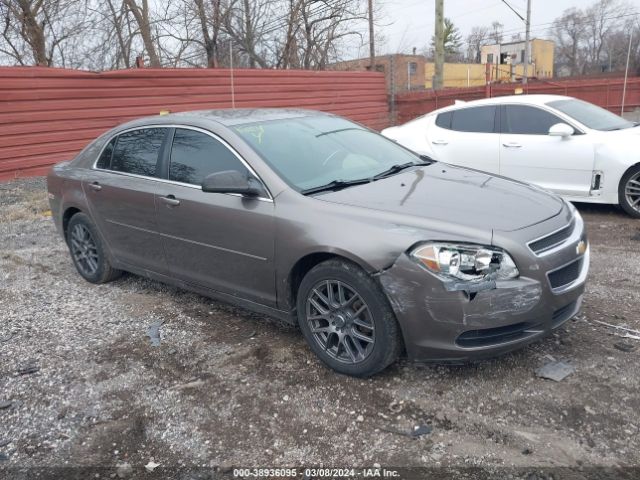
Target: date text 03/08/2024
x,y
372,472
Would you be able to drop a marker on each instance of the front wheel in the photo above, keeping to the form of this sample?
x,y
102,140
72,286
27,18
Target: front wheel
x,y
346,319
629,192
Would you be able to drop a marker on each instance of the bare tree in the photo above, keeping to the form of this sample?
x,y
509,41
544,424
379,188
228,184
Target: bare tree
x,y
475,40
496,34
141,13
600,21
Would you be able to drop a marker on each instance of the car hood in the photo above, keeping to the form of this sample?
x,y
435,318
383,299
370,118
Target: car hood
x,y
454,195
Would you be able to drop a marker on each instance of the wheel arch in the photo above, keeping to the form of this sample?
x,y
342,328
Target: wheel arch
x,y
305,263
69,212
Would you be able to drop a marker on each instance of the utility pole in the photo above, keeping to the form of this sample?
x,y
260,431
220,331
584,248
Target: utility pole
x,y
527,44
626,73
372,48
438,78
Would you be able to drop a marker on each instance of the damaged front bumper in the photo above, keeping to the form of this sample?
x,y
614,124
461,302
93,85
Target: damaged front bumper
x,y
439,324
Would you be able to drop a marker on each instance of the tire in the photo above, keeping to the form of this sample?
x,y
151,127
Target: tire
x,y
87,251
334,332
629,192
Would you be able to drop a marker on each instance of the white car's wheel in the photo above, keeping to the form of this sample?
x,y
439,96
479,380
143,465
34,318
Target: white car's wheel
x,y
629,192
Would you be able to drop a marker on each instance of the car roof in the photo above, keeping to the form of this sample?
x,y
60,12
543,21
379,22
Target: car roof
x,y
227,117
534,99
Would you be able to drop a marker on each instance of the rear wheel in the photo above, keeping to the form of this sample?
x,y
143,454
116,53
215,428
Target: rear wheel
x,y
87,251
346,319
629,192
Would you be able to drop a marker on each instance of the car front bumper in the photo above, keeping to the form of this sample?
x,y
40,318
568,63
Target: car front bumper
x,y
446,326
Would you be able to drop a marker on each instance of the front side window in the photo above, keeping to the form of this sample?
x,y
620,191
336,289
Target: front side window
x,y
475,119
195,155
591,115
308,152
525,120
137,151
443,120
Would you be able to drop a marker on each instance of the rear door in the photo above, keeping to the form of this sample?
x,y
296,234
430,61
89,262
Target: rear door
x,y
467,137
563,165
121,195
221,241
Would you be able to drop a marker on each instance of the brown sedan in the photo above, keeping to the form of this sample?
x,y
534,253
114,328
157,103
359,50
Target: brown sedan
x,y
371,249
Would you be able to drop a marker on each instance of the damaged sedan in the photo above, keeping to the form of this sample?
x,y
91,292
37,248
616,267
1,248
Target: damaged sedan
x,y
373,250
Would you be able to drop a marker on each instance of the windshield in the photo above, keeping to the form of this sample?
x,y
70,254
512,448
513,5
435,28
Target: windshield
x,y
309,152
591,115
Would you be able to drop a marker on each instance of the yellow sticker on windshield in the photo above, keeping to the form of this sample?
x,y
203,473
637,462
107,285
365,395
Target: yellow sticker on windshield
x,y
254,130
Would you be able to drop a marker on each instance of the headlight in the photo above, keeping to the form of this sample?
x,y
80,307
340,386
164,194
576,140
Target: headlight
x,y
469,263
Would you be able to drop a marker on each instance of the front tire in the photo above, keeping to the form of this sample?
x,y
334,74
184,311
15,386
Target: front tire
x,y
629,192
88,251
346,319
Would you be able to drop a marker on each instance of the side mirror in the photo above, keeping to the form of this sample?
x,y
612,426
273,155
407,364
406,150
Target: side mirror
x,y
231,181
561,130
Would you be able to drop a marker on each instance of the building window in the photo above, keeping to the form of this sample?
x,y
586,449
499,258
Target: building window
x,y
522,56
413,68
490,58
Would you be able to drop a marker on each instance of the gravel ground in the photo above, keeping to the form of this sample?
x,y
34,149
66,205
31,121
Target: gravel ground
x,y
82,386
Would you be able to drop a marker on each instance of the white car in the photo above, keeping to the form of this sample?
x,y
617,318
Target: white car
x,y
570,147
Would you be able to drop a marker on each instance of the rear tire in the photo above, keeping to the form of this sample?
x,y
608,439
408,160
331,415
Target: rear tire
x,y
346,319
629,192
88,251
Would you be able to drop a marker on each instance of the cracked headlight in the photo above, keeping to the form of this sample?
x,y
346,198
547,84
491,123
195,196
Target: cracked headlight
x,y
468,263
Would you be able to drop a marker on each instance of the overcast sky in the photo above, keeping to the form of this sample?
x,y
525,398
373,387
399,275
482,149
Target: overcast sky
x,y
409,23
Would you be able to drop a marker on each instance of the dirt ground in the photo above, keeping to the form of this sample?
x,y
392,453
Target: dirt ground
x,y
82,386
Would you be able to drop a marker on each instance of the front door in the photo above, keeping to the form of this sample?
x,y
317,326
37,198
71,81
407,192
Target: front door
x,y
121,196
221,241
563,165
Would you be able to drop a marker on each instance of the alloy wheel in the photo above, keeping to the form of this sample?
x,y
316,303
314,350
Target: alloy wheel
x,y
84,250
632,192
340,321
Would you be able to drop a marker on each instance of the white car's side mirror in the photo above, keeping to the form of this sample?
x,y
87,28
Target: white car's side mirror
x,y
561,130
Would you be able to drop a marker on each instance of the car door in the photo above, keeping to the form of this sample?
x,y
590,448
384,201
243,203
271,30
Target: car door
x,y
467,137
563,165
121,196
224,242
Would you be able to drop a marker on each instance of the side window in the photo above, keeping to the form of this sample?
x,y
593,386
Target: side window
x,y
476,119
137,151
194,155
521,119
444,120
105,157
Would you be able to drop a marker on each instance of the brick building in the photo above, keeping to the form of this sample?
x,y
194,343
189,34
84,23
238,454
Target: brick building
x,y
408,70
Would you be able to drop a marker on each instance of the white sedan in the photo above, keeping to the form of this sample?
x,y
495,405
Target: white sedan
x,y
572,148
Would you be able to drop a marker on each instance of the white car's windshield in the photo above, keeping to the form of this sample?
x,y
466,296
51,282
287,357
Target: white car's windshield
x,y
310,152
591,115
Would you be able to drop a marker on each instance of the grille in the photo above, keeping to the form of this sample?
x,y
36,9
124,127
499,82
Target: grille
x,y
550,241
565,275
493,336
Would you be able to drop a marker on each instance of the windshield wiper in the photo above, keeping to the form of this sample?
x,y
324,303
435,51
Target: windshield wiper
x,y
335,185
393,169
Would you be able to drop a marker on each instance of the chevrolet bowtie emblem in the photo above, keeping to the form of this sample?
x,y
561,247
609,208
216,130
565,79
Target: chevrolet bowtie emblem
x,y
581,247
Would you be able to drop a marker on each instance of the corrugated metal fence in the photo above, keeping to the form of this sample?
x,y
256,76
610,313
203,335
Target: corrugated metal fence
x,y
47,115
604,92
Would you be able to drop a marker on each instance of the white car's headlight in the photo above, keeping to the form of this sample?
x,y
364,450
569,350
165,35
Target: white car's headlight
x,y
468,263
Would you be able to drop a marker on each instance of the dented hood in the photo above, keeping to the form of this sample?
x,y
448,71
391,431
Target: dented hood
x,y
455,195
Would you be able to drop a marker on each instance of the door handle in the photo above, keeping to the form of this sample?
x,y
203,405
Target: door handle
x,y
512,145
440,142
95,186
170,200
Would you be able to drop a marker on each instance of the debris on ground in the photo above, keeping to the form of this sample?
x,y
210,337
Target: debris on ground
x,y
415,432
556,371
153,332
124,470
6,338
184,386
151,466
624,347
395,407
28,369
629,332
5,404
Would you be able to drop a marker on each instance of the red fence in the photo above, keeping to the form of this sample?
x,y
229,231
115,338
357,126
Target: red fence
x,y
604,92
47,115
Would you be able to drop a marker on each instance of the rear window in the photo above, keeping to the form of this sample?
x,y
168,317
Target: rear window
x,y
137,151
476,119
